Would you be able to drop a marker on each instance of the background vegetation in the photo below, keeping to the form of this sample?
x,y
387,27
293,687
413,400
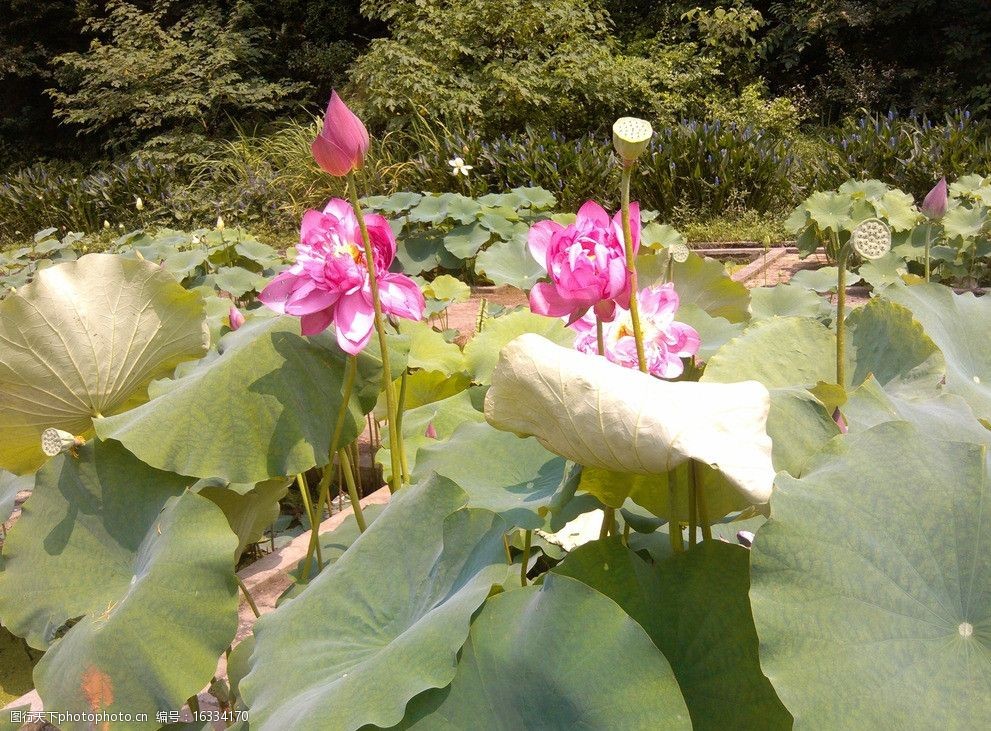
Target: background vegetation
x,y
205,108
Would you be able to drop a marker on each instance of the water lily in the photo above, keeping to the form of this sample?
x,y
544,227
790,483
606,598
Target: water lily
x,y
935,203
329,282
666,341
235,318
343,142
586,263
459,166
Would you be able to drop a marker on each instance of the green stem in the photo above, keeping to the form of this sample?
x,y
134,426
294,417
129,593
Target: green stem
x,y
693,516
194,705
359,516
674,525
527,539
400,409
395,479
608,523
626,535
314,543
928,246
631,265
247,597
700,502
509,554
841,320
600,340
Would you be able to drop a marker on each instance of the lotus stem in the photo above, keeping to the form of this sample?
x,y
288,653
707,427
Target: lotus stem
x,y
247,597
841,320
674,525
314,543
599,337
400,410
395,479
693,516
626,535
608,523
631,264
323,494
359,516
527,539
509,554
700,502
929,234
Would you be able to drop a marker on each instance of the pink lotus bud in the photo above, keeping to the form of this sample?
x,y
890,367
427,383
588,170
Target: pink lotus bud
x,y
431,432
342,143
934,206
235,318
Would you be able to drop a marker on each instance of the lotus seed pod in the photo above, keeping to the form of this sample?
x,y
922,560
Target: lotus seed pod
x,y
679,252
630,137
55,441
872,238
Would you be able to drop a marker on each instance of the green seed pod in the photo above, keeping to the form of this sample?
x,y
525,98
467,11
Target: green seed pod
x,y
630,137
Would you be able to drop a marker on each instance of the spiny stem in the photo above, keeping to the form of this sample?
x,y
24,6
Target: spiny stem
x,y
527,538
631,264
395,479
359,516
247,597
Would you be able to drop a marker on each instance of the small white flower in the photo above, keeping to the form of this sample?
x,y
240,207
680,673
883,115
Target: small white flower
x,y
459,166
138,203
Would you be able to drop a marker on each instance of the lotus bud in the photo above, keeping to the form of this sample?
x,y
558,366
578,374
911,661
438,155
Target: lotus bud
x,y
138,203
235,318
630,137
55,442
431,432
220,223
343,142
934,206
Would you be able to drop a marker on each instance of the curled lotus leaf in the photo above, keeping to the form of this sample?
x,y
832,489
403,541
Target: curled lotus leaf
x,y
85,339
599,414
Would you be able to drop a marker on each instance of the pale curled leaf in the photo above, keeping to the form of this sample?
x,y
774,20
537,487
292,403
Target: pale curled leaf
x,y
599,414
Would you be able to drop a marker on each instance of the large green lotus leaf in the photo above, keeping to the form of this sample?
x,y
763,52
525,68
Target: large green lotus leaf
x,y
383,623
714,332
785,300
424,252
465,241
482,351
960,324
799,426
512,477
157,641
946,416
599,414
699,281
882,339
509,262
250,509
81,538
84,339
10,486
886,622
527,665
428,349
264,405
445,416
239,281
17,660
696,609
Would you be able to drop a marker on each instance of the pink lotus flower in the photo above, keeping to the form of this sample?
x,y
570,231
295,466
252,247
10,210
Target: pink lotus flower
x,y
431,432
235,318
342,143
934,206
329,281
586,263
666,341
